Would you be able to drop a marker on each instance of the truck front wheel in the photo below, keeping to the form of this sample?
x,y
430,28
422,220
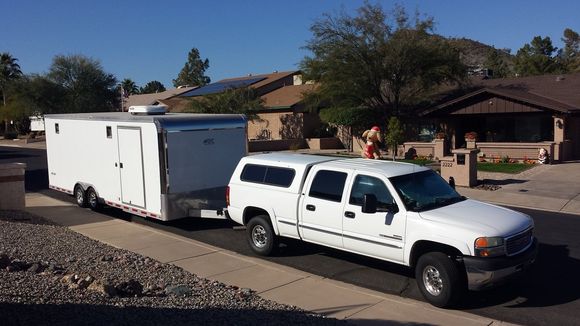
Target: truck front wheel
x,y
438,279
261,236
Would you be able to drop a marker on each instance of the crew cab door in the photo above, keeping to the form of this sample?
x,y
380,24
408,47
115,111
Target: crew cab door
x,y
322,206
379,234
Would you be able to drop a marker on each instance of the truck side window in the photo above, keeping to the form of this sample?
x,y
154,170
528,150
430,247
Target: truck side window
x,y
364,184
328,185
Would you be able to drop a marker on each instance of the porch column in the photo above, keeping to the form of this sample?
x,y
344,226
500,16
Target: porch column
x,y
559,129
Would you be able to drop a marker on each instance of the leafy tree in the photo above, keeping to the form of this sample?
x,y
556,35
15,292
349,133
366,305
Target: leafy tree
x,y
241,100
9,71
192,73
537,58
497,64
129,87
88,88
394,135
378,61
153,86
571,53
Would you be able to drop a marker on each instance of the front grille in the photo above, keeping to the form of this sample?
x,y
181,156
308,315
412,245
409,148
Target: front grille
x,y
519,242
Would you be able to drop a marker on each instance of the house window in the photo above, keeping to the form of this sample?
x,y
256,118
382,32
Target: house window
x,y
56,129
109,132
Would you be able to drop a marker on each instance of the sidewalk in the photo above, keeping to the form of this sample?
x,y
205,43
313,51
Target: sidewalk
x,y
275,282
546,187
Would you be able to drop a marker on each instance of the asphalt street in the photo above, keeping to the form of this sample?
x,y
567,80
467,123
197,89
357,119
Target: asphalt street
x,y
548,294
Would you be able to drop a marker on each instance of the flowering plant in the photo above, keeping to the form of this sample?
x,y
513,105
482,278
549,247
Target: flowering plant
x,y
472,135
440,135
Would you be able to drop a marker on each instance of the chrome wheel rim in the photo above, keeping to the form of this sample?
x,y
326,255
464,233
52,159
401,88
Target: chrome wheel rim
x,y
432,280
80,196
93,199
259,236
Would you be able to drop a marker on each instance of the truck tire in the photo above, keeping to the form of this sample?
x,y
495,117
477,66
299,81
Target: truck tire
x,y
261,236
92,199
80,196
438,279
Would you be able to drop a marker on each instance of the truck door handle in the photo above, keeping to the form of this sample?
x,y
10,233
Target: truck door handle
x,y
349,214
310,207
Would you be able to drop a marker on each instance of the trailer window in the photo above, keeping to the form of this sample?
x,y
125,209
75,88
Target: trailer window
x,y
109,132
56,129
270,175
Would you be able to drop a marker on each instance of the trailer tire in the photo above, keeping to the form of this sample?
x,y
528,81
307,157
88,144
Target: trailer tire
x,y
438,279
92,199
80,196
261,236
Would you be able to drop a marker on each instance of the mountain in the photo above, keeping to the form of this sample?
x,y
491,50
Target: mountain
x,y
474,53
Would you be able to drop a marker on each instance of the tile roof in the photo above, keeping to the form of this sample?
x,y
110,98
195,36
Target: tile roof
x,y
153,98
269,78
556,92
286,96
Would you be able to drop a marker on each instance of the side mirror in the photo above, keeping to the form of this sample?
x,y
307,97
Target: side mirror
x,y
369,205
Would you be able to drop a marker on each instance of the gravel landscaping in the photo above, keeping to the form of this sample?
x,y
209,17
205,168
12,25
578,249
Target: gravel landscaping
x,y
50,275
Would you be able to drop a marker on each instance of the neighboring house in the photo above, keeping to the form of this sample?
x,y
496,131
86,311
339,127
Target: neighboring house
x,y
515,116
154,98
284,122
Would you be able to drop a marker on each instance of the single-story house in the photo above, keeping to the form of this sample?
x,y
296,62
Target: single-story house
x,y
514,117
155,98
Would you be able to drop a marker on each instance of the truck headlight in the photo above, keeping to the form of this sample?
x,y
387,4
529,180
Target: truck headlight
x,y
489,247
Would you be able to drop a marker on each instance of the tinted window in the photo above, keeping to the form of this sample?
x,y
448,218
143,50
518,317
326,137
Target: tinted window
x,y
271,175
328,185
364,184
424,191
254,173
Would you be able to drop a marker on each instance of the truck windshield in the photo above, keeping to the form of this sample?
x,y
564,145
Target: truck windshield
x,y
424,191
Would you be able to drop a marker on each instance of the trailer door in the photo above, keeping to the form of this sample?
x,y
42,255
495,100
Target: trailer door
x,y
131,166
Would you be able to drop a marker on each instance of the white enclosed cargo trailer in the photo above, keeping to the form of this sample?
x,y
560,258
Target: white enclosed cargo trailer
x,y
163,166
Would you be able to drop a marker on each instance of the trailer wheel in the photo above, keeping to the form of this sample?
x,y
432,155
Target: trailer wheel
x,y
438,279
261,236
92,199
80,196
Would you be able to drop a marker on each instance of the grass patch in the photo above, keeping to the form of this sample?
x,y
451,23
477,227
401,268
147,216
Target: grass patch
x,y
512,168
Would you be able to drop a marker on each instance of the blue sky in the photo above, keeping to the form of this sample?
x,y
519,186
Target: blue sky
x,y
149,40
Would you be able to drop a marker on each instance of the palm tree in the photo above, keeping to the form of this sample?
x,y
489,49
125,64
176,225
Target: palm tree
x,y
9,70
129,86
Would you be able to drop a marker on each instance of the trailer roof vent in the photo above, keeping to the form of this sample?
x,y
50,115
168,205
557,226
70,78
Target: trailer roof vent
x,y
148,109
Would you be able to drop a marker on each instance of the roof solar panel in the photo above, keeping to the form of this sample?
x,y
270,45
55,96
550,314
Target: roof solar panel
x,y
222,86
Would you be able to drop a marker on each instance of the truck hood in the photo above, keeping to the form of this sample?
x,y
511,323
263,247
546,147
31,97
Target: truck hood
x,y
481,218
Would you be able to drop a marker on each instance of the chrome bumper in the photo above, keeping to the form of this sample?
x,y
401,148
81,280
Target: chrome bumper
x,y
485,273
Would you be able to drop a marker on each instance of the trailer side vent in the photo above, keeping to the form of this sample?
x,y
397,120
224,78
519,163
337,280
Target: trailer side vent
x,y
148,109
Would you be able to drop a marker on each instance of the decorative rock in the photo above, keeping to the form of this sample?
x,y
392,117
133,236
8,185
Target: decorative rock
x,y
4,260
85,282
68,278
35,268
178,290
130,288
103,288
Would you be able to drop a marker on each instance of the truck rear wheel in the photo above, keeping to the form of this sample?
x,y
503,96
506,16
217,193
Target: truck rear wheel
x,y
438,279
92,199
261,236
80,196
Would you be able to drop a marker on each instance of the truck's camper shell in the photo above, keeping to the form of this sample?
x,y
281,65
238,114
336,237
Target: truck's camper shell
x,y
161,166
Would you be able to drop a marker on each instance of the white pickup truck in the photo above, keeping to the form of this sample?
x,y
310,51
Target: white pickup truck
x,y
398,212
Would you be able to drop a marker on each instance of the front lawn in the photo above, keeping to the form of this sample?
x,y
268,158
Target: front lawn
x,y
512,168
